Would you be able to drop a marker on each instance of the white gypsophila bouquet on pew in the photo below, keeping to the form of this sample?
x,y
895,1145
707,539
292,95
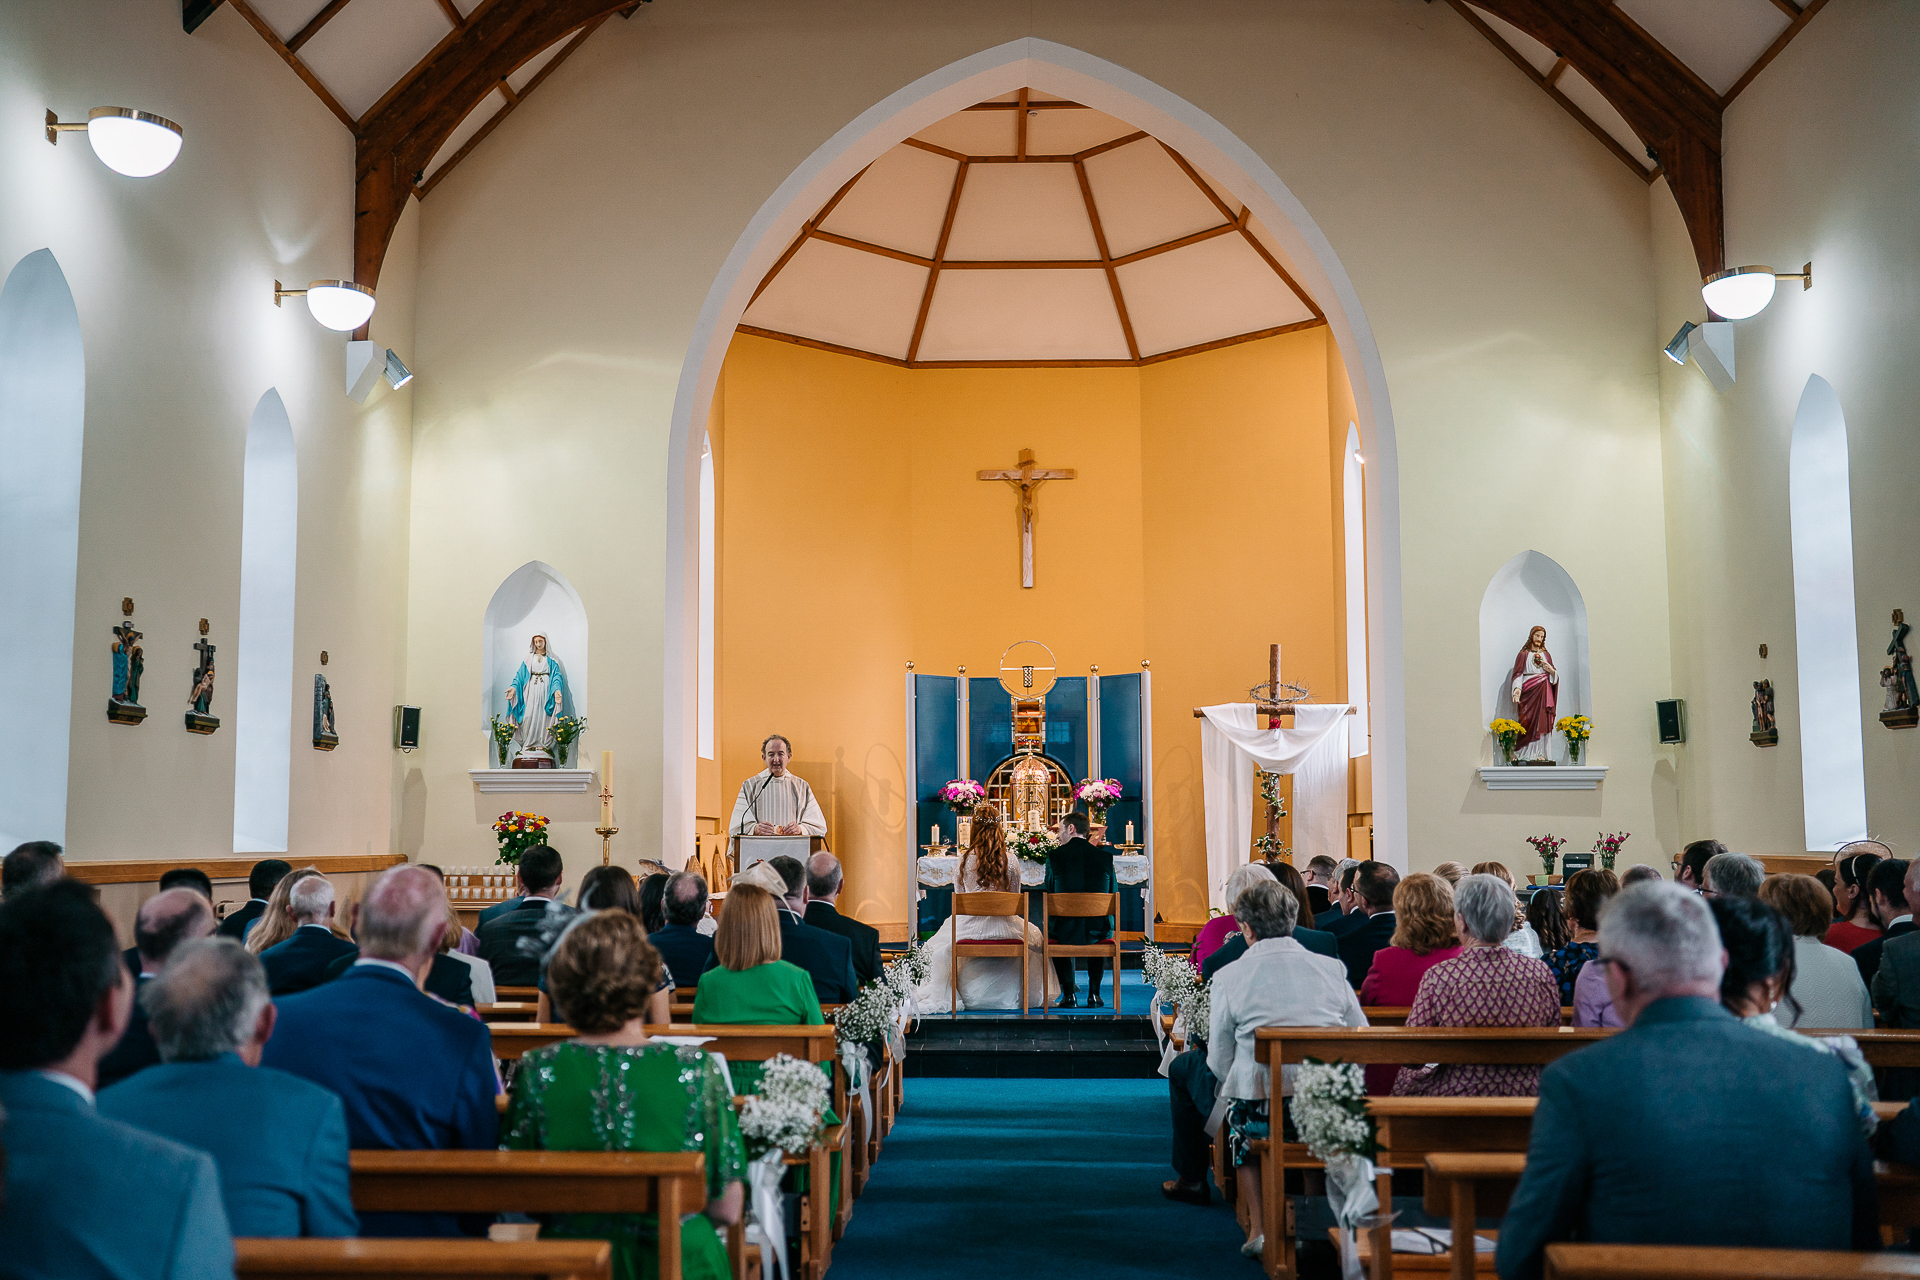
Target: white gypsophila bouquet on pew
x,y
1330,1112
868,1016
787,1112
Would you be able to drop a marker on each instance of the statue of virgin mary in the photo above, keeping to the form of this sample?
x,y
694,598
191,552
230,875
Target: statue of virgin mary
x,y
534,699
1534,684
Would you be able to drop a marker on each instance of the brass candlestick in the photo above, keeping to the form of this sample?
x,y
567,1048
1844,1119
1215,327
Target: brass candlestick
x,y
606,835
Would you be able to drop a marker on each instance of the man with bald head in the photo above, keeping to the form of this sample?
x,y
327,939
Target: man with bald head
x,y
165,920
413,1073
824,881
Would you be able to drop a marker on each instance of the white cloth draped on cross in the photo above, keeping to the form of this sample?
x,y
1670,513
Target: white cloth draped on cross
x,y
1314,752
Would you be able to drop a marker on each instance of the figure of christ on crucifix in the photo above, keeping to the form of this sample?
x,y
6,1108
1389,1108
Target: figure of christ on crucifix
x,y
1026,480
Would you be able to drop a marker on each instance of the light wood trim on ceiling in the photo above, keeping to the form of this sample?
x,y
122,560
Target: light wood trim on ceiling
x,y
948,152
754,331
867,246
1104,147
1800,20
1154,251
1194,350
314,24
454,16
1787,7
939,256
806,230
514,98
1242,222
1106,260
300,68
1029,104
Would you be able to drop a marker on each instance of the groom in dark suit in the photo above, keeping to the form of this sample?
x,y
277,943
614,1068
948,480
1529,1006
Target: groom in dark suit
x,y
1079,866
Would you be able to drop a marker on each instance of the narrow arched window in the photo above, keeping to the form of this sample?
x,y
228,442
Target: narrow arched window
x,y
43,393
263,692
1833,777
707,576
1354,513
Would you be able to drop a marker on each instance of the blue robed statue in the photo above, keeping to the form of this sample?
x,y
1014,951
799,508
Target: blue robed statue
x,y
536,697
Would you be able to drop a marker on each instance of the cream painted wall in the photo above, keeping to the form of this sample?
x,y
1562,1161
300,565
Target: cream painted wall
x,y
1504,260
173,278
1821,164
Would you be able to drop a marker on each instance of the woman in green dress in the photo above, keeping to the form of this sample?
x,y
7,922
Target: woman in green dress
x,y
610,1089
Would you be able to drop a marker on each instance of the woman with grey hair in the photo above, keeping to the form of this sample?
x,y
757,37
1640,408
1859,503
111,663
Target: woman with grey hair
x,y
1487,985
1217,930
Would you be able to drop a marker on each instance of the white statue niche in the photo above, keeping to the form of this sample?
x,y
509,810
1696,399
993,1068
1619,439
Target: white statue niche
x,y
1532,590
533,658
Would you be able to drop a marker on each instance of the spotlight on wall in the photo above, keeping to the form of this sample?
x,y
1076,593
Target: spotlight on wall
x,y
398,375
367,362
1740,292
1676,350
337,304
138,144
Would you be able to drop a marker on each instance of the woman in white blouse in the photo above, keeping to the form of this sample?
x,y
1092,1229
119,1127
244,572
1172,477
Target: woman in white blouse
x,y
1827,990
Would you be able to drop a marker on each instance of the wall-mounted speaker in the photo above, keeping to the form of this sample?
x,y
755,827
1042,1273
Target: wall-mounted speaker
x,y
406,728
1672,714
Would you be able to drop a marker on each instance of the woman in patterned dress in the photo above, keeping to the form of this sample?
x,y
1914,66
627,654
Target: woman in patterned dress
x,y
1487,985
611,1089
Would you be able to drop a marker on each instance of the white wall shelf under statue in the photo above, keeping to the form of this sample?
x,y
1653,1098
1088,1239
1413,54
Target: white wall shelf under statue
x,y
490,781
1527,592
1563,777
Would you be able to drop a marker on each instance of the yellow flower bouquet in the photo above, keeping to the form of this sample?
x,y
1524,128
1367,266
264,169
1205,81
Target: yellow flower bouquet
x,y
1577,730
1509,733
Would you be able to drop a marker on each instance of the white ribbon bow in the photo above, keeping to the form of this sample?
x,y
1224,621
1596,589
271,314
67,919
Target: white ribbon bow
x,y
769,1226
853,1058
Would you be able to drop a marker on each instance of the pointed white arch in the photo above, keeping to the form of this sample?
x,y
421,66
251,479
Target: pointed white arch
x,y
1833,771
1532,589
43,396
534,599
263,692
1210,145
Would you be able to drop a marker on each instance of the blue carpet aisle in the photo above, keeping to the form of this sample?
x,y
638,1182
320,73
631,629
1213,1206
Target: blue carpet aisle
x,y
1060,1178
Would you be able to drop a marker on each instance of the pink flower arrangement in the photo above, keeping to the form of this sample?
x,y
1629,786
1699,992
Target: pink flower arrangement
x,y
1548,847
963,794
1098,794
1608,847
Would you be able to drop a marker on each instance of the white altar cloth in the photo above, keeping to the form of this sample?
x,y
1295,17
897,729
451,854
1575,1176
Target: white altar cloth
x,y
939,869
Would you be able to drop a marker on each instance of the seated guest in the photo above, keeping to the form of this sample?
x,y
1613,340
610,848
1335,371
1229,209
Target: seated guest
x,y
1592,1003
1348,911
1423,936
1522,939
465,940
1215,932
750,982
605,889
260,883
172,878
681,945
280,1143
35,863
1587,892
1896,983
1759,980
454,978
1451,872
612,1089
1826,990
1322,877
1078,865
1318,941
651,890
276,924
1734,875
1373,886
1887,892
412,1073
512,943
163,922
1687,1128
825,879
1852,907
1277,983
301,961
1486,985
1638,872
1547,917
826,957
479,974
1690,868
85,1195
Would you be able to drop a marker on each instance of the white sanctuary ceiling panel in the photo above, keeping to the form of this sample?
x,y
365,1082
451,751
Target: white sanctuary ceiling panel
x,y
1537,55
1021,212
974,133
1062,132
1718,39
899,202
286,17
1145,199
1023,315
846,297
1219,288
486,109
1581,93
532,66
367,48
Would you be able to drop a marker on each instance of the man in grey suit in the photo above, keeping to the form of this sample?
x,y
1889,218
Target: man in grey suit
x,y
1687,1128
280,1142
86,1196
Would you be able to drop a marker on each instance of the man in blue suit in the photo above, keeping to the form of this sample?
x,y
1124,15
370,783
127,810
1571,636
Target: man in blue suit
x,y
512,943
1373,886
86,1196
260,884
300,963
686,951
1346,912
1688,1127
164,921
414,1074
279,1142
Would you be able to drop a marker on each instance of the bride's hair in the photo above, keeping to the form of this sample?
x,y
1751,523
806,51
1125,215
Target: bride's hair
x,y
989,846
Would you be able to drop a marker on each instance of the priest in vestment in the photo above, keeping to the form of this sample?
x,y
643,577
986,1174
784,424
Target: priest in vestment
x,y
774,802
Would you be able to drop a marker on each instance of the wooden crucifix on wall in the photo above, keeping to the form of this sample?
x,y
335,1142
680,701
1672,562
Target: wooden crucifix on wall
x,y
1026,479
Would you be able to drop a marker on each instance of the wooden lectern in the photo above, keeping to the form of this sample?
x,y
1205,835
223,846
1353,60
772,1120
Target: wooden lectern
x,y
748,850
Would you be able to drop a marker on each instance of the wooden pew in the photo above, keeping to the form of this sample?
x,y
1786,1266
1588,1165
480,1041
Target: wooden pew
x,y
664,1183
508,1011
527,994
1666,1262
422,1259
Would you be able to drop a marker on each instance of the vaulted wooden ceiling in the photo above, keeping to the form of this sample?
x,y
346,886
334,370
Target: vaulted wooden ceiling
x,y
421,82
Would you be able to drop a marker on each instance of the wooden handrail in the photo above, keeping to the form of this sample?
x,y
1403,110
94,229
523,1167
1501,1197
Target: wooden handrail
x,y
1665,1262
525,1181
1509,1046
256,1259
738,1043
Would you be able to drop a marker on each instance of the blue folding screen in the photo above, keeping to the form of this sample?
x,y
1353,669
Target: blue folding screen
x,y
936,751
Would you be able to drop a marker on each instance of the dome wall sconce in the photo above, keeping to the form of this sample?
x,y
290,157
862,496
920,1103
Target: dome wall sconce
x,y
1741,292
137,144
338,304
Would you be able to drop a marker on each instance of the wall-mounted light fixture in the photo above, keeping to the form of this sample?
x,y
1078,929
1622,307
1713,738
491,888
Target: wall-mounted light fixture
x,y
1676,350
398,375
1740,292
138,144
367,362
337,304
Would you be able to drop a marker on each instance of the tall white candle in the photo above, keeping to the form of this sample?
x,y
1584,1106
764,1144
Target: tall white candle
x,y
1129,833
933,835
606,788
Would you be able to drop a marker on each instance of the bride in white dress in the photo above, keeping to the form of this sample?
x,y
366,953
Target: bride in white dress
x,y
986,982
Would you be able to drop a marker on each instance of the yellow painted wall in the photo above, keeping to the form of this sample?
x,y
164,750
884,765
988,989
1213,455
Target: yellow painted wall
x,y
855,538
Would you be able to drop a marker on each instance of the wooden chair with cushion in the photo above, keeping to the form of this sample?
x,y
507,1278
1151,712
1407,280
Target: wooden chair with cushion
x,y
989,904
1079,906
